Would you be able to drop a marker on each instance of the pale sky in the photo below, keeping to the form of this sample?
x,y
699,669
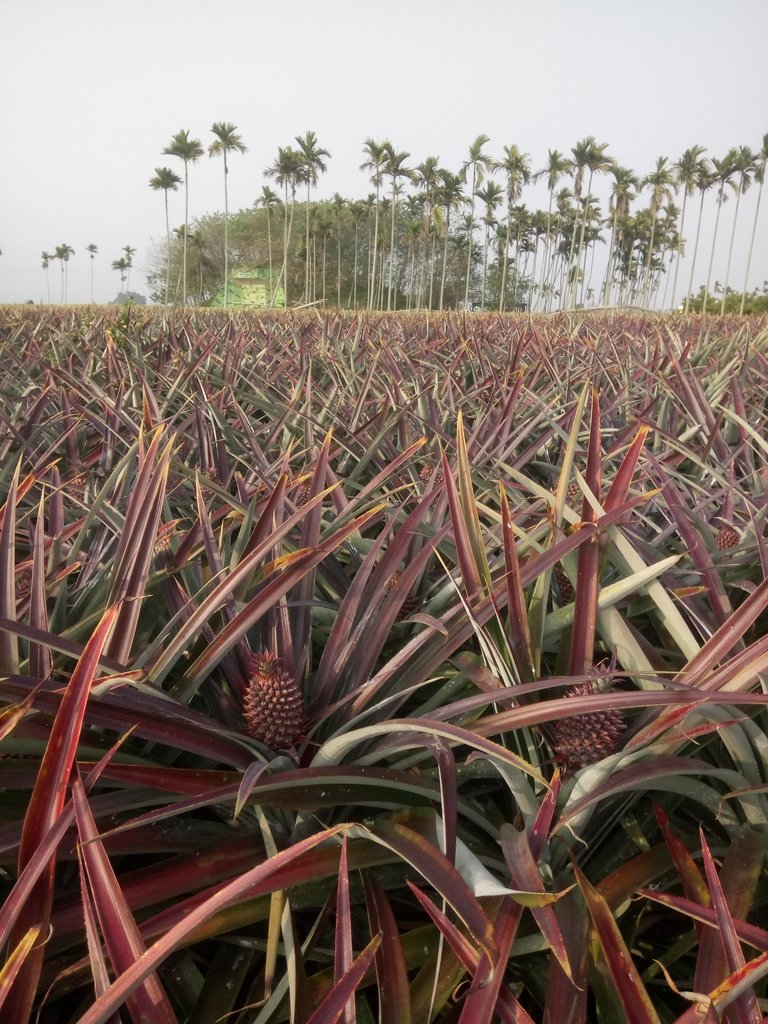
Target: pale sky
x,y
91,91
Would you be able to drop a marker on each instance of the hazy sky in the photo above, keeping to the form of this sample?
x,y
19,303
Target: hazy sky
x,y
93,90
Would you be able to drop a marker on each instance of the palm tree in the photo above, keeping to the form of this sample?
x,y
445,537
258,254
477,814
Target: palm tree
x,y
166,180
723,173
396,171
660,180
705,179
122,267
478,163
92,250
339,205
427,177
377,153
622,194
313,166
491,197
189,151
743,165
587,155
558,165
46,257
358,210
129,254
687,170
227,141
761,159
268,200
63,252
288,171
517,171
450,195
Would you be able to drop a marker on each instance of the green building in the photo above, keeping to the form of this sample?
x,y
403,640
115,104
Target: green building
x,y
249,287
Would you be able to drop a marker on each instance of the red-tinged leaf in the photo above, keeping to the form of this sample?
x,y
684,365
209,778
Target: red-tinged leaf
x,y
539,832
175,936
524,875
488,999
9,648
296,566
136,548
163,653
470,572
710,577
155,718
16,958
40,660
332,1007
419,657
301,597
251,777
694,885
723,641
461,945
745,1006
437,870
121,936
12,715
566,999
478,964
622,969
620,885
588,572
343,957
469,505
96,955
622,480
45,807
736,984
517,609
748,933
15,900
391,969
446,769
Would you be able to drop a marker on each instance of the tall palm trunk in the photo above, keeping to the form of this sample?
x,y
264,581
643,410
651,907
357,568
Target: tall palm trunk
x,y
226,235
695,251
730,249
168,249
445,258
720,199
184,242
372,283
680,247
269,254
469,236
752,243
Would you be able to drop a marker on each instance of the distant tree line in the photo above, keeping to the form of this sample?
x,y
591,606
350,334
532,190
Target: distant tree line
x,y
431,237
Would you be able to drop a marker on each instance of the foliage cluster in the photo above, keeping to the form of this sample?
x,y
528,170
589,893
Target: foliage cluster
x,y
425,229
464,539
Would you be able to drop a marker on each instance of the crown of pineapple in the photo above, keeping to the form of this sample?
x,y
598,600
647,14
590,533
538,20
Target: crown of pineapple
x,y
586,739
273,706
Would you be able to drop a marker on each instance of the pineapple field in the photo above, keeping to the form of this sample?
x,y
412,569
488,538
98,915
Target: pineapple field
x,y
400,668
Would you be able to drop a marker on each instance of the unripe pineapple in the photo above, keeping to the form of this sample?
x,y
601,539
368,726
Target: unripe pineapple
x,y
273,706
301,494
586,739
410,603
23,583
727,537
